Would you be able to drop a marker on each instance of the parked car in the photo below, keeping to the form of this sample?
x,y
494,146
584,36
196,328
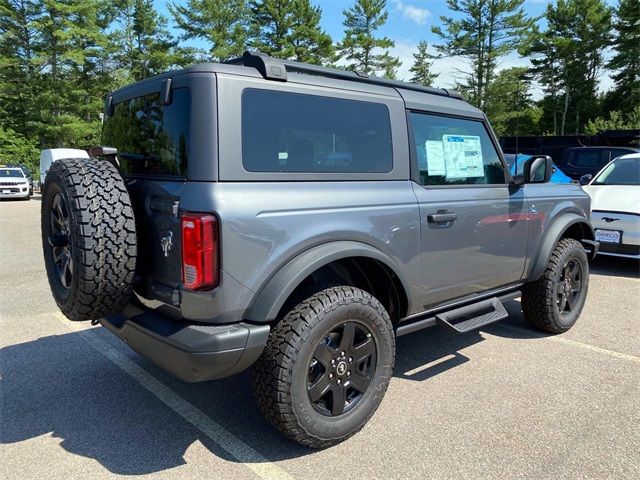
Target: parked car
x,y
615,206
579,161
298,218
48,156
516,167
14,183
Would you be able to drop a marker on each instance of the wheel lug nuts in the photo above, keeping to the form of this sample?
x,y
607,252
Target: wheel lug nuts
x,y
333,362
342,354
339,381
330,375
350,359
348,373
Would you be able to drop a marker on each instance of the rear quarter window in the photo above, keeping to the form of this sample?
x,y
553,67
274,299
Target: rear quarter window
x,y
152,139
291,132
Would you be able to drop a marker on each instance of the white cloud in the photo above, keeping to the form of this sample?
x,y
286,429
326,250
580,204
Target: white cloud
x,y
416,14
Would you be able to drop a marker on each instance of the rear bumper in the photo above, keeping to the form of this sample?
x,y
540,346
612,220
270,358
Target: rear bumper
x,y
193,352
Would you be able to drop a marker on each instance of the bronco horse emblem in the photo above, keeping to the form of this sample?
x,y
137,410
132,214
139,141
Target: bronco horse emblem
x,y
166,243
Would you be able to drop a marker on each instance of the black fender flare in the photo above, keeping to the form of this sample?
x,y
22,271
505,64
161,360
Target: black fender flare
x,y
274,293
553,236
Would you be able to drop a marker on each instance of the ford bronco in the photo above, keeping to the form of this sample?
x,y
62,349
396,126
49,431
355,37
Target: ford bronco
x,y
298,219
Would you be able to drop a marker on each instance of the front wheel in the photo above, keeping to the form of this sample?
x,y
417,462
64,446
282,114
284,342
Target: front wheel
x,y
554,302
326,366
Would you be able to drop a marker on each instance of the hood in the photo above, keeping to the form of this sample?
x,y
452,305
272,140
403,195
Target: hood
x,y
617,198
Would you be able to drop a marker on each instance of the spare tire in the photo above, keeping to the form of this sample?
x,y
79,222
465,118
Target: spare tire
x,y
88,238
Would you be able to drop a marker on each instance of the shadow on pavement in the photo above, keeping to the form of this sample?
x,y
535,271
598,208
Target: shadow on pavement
x,y
615,266
58,385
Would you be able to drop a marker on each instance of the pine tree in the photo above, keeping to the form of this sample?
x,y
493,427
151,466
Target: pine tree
x,y
290,29
144,45
567,59
484,31
223,23
72,55
626,61
360,46
421,68
19,73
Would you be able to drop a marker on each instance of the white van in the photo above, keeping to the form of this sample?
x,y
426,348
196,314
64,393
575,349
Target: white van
x,y
47,157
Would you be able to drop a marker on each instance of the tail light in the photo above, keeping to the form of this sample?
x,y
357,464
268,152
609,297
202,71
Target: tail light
x,y
200,263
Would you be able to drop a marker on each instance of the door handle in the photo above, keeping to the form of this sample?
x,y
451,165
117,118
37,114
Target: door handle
x,y
443,217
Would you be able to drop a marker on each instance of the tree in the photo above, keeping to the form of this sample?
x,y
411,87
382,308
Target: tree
x,y
144,45
616,120
360,47
290,29
223,23
626,61
485,31
19,71
567,59
16,148
421,68
510,107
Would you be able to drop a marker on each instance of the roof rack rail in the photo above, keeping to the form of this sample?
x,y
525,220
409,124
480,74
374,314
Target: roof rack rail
x,y
276,69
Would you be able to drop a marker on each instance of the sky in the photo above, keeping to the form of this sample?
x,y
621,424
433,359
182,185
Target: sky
x,y
409,22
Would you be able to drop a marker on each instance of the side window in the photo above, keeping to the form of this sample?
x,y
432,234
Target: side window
x,y
454,151
152,139
290,132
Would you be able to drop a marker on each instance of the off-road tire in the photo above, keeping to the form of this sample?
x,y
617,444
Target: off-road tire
x,y
539,298
280,375
101,237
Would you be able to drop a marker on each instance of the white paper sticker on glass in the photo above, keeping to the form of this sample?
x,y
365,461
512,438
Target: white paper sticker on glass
x,y
463,156
435,158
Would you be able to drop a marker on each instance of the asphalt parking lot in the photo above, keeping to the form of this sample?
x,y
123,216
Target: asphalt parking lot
x,y
504,402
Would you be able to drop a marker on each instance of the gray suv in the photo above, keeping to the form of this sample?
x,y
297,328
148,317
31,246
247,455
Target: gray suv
x,y
297,218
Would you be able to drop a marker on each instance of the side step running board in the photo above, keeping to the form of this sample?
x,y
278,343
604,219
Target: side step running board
x,y
474,316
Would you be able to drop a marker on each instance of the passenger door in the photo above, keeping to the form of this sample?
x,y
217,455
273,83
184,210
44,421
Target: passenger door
x,y
474,226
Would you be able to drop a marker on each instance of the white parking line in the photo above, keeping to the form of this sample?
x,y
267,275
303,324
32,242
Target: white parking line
x,y
573,343
239,450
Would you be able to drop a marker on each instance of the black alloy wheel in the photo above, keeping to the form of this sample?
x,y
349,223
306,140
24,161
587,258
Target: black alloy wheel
x,y
569,287
59,241
341,369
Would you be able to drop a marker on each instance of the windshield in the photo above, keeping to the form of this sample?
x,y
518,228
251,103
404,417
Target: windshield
x,y
11,172
623,171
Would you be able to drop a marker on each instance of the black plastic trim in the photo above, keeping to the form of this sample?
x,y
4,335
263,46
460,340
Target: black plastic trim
x,y
193,352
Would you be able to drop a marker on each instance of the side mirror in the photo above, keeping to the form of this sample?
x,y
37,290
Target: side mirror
x,y
585,179
537,169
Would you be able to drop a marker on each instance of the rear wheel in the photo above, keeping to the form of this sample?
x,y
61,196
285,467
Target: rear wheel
x,y
88,238
554,302
326,367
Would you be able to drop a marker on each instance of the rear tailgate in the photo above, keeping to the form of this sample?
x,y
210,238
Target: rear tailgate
x,y
155,204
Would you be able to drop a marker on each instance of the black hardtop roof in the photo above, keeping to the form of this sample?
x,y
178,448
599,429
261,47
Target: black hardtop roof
x,y
260,65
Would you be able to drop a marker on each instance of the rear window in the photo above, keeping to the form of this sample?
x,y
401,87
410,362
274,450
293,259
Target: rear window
x,y
289,132
152,139
587,158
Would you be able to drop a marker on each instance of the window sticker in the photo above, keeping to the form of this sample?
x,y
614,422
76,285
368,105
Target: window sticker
x,y
463,156
435,158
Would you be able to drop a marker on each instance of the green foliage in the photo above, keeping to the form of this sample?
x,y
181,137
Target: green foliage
x,y
510,107
483,31
567,59
15,148
363,50
290,29
626,60
143,44
421,68
222,23
615,120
